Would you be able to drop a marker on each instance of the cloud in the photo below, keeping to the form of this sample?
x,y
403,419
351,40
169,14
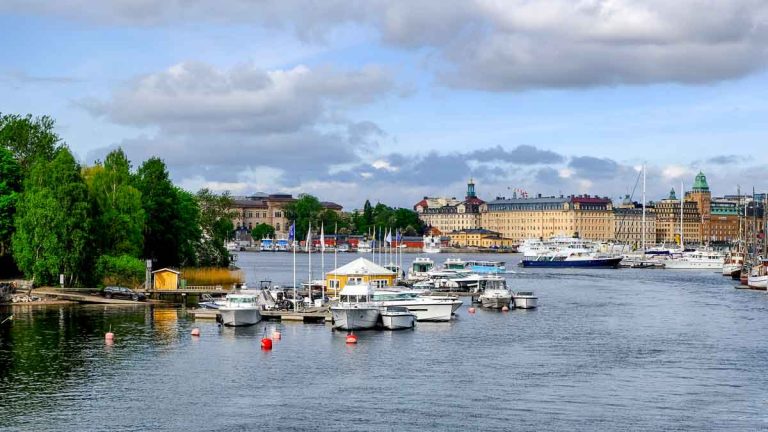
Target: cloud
x,y
497,45
725,159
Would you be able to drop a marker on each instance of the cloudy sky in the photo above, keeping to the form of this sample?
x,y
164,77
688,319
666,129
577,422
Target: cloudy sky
x,y
395,100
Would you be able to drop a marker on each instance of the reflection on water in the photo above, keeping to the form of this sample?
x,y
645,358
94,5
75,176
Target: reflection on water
x,y
606,350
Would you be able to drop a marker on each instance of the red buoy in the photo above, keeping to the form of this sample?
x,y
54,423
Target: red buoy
x,y
266,344
276,335
471,310
505,309
195,331
351,338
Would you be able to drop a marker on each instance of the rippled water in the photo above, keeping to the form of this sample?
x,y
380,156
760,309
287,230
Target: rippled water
x,y
606,350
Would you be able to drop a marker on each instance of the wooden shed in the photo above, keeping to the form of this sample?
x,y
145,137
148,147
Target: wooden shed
x,y
357,271
165,279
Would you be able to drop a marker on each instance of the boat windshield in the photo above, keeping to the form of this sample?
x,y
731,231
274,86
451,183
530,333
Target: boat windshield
x,y
393,296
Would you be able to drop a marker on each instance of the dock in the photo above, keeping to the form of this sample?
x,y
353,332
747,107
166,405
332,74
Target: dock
x,y
316,315
80,296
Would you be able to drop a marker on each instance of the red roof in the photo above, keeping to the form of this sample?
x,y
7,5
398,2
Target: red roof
x,y
589,200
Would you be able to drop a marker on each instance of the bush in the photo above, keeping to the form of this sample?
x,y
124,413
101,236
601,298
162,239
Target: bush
x,y
123,270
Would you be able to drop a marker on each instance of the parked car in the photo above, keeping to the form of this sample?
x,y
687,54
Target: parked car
x,y
123,292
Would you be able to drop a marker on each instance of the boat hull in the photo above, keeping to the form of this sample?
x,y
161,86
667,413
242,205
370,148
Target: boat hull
x,y
238,317
397,320
758,282
592,263
355,318
692,265
526,302
429,311
728,269
495,302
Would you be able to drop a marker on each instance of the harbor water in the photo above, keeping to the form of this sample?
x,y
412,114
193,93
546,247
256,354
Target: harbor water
x,y
606,350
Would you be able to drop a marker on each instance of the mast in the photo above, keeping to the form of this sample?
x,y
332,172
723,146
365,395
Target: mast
x,y
309,250
322,262
682,204
643,224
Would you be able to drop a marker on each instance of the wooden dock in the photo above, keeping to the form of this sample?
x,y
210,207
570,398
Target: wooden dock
x,y
84,296
317,315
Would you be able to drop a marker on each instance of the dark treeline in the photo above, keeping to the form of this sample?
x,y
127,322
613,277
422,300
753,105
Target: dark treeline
x,y
97,224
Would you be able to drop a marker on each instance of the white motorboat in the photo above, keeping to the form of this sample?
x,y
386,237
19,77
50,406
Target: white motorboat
x,y
733,263
397,317
758,276
420,268
431,244
240,310
267,245
495,294
525,300
355,310
364,247
425,307
704,260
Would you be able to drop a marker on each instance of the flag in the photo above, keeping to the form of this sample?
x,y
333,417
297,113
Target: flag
x,y
399,237
292,232
322,238
388,238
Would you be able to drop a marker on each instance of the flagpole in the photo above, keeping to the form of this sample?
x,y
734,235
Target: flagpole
x,y
322,261
309,250
292,236
372,244
335,249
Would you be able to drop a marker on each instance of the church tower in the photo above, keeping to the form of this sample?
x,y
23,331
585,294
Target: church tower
x,y
703,198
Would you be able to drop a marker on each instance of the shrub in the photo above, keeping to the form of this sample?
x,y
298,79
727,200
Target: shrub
x,y
123,270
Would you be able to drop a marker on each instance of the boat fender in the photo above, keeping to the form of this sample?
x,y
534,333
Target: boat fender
x,y
471,310
196,332
266,344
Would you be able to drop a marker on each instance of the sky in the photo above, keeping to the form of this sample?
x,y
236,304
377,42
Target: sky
x,y
395,100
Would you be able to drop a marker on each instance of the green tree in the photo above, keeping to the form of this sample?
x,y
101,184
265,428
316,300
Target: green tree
x,y
120,217
216,216
304,210
187,228
53,223
262,230
10,185
162,208
29,138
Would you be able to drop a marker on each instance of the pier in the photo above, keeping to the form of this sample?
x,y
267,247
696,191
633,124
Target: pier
x,y
316,315
83,296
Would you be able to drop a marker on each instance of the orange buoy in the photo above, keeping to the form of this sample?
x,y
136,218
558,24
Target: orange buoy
x,y
266,344
195,331
351,338
505,309
276,335
471,310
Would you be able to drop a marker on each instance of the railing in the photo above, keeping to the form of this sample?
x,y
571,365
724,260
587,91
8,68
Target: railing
x,y
203,288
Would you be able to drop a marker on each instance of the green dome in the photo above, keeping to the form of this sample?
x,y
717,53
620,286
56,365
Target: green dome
x,y
700,184
672,194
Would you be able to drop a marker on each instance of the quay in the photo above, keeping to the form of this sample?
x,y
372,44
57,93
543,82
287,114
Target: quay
x,y
85,296
312,315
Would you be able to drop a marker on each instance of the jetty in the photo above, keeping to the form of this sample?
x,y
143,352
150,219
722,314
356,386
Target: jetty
x,y
307,316
80,296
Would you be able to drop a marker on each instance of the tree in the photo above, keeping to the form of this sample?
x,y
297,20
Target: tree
x,y
10,185
28,138
262,230
304,210
120,217
187,228
216,216
162,207
53,223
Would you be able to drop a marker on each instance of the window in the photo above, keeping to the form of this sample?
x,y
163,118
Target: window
x,y
277,227
334,283
354,280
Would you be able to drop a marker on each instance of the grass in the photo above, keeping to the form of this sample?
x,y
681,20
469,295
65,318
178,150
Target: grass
x,y
205,276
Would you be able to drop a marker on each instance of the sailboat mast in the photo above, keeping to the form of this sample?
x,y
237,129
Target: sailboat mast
x,y
643,224
682,204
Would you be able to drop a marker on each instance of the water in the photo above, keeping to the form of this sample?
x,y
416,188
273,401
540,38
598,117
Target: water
x,y
606,350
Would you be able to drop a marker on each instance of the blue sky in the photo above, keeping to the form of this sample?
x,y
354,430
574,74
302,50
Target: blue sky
x,y
391,101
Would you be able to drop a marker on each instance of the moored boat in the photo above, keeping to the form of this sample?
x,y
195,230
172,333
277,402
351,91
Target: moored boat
x,y
758,276
355,310
492,267
240,310
733,262
696,260
425,307
525,300
572,259
420,268
495,294
397,318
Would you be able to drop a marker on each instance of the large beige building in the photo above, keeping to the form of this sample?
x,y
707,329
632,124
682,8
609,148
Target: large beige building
x,y
668,221
481,238
543,217
450,214
628,224
267,209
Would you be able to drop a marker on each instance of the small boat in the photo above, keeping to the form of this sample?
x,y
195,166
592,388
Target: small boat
x,y
525,300
758,276
492,267
355,310
364,247
704,260
455,264
397,317
233,246
733,262
420,268
266,245
425,307
282,245
495,294
431,244
208,302
240,310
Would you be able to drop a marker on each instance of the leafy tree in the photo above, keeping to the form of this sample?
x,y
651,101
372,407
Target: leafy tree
x,y
53,223
124,270
216,216
10,185
120,217
304,210
29,138
162,207
187,227
262,230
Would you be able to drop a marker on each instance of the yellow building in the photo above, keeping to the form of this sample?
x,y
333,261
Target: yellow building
x,y
668,221
165,279
450,214
543,217
479,237
358,271
628,224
